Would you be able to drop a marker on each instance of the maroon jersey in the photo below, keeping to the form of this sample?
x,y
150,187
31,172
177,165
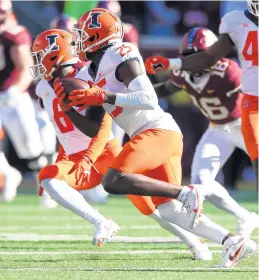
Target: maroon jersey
x,y
15,35
215,94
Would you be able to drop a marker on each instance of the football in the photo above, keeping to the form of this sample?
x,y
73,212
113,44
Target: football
x,y
70,84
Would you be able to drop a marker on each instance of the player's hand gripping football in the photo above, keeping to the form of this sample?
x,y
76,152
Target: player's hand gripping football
x,y
154,64
61,95
82,170
82,98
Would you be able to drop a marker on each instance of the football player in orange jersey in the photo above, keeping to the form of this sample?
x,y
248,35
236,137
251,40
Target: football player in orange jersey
x,y
239,29
83,159
150,163
97,194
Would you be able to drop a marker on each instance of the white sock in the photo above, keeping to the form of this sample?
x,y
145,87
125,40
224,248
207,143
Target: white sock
x,y
187,237
96,195
72,200
171,211
220,197
4,165
233,240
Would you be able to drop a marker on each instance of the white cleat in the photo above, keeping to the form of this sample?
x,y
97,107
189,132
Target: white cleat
x,y
201,252
192,198
247,226
104,232
12,180
47,202
236,252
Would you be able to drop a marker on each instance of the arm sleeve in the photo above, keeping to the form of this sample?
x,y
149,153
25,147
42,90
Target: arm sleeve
x,y
141,95
98,142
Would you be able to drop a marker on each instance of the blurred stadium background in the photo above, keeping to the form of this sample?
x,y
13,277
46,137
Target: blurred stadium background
x,y
54,244
157,27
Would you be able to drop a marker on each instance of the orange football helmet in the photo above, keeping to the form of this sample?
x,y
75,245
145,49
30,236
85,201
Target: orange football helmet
x,y
96,29
50,50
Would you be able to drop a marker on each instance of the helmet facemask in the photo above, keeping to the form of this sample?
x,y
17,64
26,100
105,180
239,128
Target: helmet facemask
x,y
38,70
253,7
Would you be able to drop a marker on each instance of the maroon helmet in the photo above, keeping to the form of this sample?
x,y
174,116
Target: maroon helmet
x,y
197,39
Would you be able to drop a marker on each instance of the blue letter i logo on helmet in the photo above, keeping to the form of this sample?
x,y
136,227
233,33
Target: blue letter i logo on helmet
x,y
94,21
53,42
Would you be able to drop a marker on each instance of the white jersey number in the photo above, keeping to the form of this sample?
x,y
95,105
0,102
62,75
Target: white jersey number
x,y
63,122
210,109
220,69
2,58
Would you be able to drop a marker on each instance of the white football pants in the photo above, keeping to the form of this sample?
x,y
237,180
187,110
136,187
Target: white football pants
x,y
19,121
214,149
47,130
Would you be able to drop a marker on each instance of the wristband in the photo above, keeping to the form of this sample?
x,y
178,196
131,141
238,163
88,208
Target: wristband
x,y
175,63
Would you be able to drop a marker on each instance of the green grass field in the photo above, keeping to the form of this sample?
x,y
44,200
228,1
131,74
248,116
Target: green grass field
x,y
54,244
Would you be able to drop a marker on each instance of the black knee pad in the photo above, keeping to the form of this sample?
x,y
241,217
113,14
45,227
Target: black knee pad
x,y
110,179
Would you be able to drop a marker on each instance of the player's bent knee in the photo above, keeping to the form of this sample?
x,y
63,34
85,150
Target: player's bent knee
x,y
110,179
50,171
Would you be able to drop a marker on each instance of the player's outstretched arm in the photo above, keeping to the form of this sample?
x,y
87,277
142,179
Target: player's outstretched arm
x,y
194,62
208,58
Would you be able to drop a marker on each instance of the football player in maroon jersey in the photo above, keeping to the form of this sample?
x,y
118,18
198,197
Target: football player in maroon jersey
x,y
216,91
237,29
16,108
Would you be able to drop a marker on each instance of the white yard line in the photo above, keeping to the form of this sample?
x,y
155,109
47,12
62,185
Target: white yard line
x,y
41,215
124,252
73,227
69,237
60,269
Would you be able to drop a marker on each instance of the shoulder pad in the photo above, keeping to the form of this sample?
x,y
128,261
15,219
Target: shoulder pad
x,y
230,21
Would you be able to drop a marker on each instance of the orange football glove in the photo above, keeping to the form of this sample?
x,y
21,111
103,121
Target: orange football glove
x,y
154,64
82,170
82,98
60,95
